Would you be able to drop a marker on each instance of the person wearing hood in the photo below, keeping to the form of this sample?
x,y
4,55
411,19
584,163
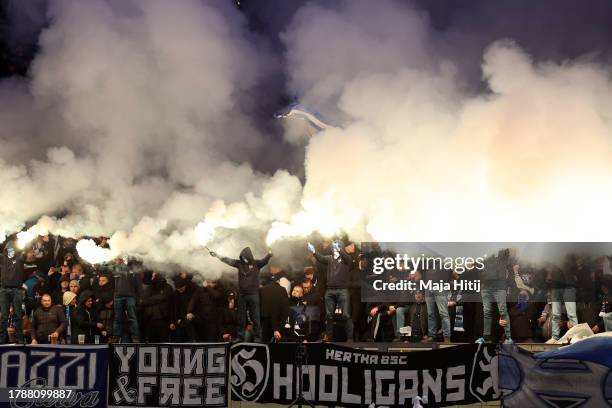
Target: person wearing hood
x,y
62,286
184,289
203,312
274,310
12,276
337,293
248,287
157,309
48,320
279,276
86,319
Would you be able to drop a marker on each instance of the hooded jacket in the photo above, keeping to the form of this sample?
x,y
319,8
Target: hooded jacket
x,y
12,274
157,300
248,270
85,320
337,269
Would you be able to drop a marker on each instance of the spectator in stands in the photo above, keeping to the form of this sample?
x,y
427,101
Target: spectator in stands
x,y
203,312
417,317
184,291
157,305
105,311
494,281
87,322
274,311
437,301
62,287
48,322
75,286
70,303
336,294
102,288
248,285
563,294
229,318
380,322
11,278
277,274
126,295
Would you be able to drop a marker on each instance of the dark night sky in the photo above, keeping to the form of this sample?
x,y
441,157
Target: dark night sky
x,y
549,29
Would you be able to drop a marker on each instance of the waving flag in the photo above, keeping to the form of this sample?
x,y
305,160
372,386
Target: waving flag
x,y
313,119
596,349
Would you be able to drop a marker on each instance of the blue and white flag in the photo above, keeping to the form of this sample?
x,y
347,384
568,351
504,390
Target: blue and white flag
x,y
314,119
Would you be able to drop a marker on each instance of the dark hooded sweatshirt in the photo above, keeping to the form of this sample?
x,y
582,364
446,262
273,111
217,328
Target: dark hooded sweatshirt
x,y
85,320
248,270
337,269
12,274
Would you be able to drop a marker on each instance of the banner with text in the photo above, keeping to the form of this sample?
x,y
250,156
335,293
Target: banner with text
x,y
168,375
343,376
80,369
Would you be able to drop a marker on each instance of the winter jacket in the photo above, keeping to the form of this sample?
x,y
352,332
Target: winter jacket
x,y
157,300
12,274
85,320
229,321
181,302
416,318
496,270
126,281
206,303
248,270
274,307
337,269
47,321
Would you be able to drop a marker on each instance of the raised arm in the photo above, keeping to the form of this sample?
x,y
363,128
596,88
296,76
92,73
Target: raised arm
x,y
264,261
229,261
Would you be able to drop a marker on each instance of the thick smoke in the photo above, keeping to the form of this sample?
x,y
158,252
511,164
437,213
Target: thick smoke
x,y
140,120
422,159
138,113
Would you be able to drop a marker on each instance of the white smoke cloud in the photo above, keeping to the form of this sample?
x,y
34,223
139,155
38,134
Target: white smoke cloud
x,y
137,123
421,159
140,113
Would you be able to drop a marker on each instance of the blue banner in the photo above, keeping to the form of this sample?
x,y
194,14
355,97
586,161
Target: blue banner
x,y
80,369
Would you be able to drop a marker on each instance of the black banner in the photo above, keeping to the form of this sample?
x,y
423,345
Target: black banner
x,y
337,375
168,375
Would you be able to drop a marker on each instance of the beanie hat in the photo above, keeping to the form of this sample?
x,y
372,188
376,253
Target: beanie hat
x,y
69,297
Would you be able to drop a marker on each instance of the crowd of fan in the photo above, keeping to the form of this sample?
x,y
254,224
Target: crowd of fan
x,y
49,295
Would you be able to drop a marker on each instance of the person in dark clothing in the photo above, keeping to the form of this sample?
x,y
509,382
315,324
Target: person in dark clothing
x,y
437,304
102,288
336,294
203,313
11,294
380,322
417,318
274,311
86,320
105,311
48,320
229,318
314,303
61,288
184,291
494,282
248,286
524,312
126,294
563,283
157,310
